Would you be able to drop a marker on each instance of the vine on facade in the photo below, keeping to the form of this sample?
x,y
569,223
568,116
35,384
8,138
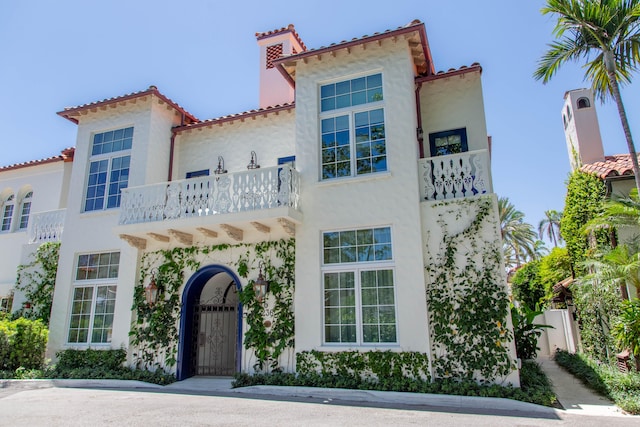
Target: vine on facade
x,y
466,296
155,331
37,281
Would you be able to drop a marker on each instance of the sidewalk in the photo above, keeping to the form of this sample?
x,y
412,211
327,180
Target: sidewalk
x,y
573,395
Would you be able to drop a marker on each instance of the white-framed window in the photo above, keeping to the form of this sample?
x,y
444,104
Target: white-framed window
x,y
358,287
108,169
25,209
7,213
352,127
94,298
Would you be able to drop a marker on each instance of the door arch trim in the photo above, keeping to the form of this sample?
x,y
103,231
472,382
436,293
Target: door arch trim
x,y
190,294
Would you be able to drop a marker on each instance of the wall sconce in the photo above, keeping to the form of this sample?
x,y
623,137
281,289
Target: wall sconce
x,y
220,170
151,290
260,286
253,164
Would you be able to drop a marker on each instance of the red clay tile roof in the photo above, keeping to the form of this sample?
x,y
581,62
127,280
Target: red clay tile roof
x,y
616,165
451,72
238,116
70,113
289,28
65,156
423,50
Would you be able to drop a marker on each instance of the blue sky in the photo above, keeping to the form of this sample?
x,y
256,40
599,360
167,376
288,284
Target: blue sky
x,y
203,55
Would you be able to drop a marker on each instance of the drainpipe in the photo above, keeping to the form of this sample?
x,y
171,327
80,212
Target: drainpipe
x,y
419,131
172,147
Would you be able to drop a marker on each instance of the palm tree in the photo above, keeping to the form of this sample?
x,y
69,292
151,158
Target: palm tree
x,y
518,237
606,33
550,226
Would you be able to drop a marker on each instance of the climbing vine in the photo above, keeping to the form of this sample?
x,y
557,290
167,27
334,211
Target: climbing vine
x,y
466,294
37,281
270,331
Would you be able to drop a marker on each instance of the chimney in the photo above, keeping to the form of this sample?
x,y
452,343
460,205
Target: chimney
x,y
581,128
274,89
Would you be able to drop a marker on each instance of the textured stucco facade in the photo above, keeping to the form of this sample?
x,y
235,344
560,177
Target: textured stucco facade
x,y
222,218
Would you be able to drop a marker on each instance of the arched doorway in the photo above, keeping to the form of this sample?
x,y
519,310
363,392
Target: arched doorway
x,y
210,324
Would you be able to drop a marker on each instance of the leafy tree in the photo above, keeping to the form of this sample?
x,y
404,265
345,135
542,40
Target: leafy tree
x,y
550,226
526,286
526,332
518,237
583,203
554,268
605,33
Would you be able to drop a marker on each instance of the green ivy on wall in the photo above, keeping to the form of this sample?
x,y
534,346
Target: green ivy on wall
x,y
584,202
466,296
154,333
381,366
37,281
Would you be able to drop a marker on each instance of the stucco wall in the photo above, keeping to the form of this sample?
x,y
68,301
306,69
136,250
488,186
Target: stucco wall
x,y
270,137
451,103
46,182
91,232
382,199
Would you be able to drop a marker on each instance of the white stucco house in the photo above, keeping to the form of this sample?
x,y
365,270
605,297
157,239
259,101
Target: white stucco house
x,y
359,190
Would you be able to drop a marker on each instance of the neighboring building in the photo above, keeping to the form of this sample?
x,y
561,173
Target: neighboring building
x,y
33,196
586,151
376,164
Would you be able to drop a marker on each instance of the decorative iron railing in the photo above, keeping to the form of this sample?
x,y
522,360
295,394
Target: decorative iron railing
x,y
455,175
46,226
256,189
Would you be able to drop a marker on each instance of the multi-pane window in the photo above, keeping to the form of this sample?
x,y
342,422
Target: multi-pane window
x,y
25,210
448,142
94,298
109,169
7,213
352,128
358,287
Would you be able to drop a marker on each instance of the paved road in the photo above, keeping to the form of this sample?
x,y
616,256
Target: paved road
x,y
100,407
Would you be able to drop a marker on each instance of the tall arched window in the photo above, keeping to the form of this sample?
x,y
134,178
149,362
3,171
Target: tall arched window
x,y
583,103
25,210
7,213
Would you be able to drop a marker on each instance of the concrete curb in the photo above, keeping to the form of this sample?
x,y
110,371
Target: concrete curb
x,y
415,399
72,383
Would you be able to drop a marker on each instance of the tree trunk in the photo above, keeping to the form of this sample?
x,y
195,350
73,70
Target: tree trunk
x,y
615,92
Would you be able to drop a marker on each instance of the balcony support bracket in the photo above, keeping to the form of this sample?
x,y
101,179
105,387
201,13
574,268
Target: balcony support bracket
x,y
207,232
136,242
233,232
182,237
288,226
261,227
159,237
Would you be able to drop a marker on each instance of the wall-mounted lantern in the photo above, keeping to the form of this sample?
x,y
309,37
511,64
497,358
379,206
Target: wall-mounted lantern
x,y
253,164
151,290
220,169
260,286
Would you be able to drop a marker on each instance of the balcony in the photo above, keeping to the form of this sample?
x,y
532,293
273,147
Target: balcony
x,y
455,175
257,199
46,226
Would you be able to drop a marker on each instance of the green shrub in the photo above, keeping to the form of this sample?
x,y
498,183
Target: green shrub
x,y
622,388
91,358
22,344
526,332
535,387
102,364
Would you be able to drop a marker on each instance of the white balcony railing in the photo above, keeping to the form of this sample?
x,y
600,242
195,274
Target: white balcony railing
x,y
46,226
455,175
256,189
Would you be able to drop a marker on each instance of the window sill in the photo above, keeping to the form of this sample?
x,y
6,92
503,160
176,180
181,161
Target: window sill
x,y
353,346
354,179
